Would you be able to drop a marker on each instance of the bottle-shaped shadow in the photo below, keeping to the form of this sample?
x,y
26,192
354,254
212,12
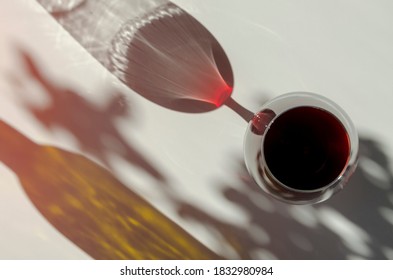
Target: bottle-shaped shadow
x,y
89,206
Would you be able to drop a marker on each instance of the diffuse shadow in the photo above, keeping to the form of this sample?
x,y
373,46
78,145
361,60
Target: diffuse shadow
x,y
270,232
362,228
367,200
94,128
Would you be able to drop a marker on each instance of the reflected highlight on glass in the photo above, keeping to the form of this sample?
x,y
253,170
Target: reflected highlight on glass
x,y
301,148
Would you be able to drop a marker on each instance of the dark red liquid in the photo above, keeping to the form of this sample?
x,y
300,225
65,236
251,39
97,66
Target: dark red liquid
x,y
306,148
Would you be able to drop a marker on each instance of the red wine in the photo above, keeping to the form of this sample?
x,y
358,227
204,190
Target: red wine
x,y
306,148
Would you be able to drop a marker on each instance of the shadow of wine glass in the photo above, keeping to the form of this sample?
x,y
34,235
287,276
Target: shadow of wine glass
x,y
356,223
157,49
89,206
168,57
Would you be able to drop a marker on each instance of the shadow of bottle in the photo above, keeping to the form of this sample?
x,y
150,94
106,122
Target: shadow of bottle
x,y
89,206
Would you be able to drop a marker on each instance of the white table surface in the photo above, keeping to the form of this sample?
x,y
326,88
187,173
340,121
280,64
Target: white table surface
x,y
340,49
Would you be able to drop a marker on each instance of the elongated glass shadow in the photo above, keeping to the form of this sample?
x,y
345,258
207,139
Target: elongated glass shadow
x,y
155,48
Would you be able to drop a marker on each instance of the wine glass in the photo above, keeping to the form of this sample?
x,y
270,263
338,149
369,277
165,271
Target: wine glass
x,y
301,148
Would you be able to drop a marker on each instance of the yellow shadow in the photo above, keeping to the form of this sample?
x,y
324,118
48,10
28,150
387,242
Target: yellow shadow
x,y
88,205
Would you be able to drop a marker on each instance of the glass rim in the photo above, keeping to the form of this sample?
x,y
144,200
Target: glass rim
x,y
254,149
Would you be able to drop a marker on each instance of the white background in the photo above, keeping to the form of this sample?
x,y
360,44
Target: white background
x,y
340,49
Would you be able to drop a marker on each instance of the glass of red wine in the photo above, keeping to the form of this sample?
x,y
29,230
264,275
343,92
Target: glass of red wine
x,y
301,148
